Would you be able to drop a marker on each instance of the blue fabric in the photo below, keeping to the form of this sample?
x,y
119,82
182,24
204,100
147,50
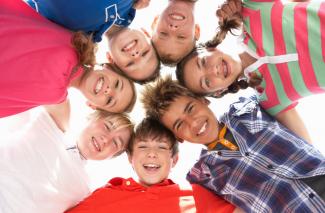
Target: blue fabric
x,y
86,15
265,174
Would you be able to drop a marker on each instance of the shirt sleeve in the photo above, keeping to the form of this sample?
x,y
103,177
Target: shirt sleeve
x,y
207,202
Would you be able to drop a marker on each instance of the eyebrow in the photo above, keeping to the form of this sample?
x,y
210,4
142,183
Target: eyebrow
x,y
185,110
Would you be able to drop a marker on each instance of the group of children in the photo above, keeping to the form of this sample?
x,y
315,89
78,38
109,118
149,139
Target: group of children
x,y
254,160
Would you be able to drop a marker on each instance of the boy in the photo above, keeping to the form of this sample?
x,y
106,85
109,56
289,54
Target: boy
x,y
152,153
88,16
131,50
252,161
175,32
41,171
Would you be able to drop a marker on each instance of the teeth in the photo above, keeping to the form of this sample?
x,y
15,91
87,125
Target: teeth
x,y
177,17
151,165
96,144
225,69
129,46
203,128
99,85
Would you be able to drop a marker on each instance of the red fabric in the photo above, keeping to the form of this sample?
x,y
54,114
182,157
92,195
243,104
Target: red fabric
x,y
126,195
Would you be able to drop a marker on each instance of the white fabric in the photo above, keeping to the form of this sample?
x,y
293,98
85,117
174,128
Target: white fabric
x,y
37,173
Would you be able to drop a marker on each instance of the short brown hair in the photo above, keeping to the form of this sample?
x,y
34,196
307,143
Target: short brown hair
x,y
152,128
119,120
158,96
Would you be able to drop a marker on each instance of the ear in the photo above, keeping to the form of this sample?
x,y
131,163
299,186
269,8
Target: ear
x,y
109,57
175,160
146,32
197,32
154,23
91,105
204,101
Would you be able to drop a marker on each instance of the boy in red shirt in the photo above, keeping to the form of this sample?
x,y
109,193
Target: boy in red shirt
x,y
152,153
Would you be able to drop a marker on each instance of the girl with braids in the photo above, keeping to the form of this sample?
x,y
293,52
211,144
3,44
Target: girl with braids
x,y
39,64
283,57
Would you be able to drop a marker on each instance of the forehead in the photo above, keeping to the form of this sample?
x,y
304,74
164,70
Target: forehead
x,y
158,139
176,109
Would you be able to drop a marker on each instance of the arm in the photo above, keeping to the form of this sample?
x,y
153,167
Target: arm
x,y
238,210
293,121
60,113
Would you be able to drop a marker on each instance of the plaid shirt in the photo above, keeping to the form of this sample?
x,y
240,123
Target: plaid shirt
x,y
265,174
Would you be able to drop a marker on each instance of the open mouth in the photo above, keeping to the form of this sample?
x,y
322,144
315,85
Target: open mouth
x,y
176,16
151,167
129,46
203,129
99,85
225,69
96,144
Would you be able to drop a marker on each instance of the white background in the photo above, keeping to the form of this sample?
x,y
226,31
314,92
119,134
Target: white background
x,y
100,172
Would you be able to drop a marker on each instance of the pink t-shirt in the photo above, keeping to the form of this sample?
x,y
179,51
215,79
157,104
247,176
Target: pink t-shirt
x,y
36,59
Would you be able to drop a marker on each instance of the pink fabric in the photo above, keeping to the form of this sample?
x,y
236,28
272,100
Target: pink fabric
x,y
36,59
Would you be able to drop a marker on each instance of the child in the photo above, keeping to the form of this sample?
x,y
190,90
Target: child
x,y
88,16
131,50
175,31
283,57
43,172
152,153
39,64
252,161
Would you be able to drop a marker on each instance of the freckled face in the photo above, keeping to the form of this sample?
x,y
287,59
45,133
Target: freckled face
x,y
211,70
191,120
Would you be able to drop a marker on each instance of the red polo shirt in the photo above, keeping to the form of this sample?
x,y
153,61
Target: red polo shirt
x,y
125,195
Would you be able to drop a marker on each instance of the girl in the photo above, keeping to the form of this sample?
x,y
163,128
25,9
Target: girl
x,y
283,57
39,64
88,16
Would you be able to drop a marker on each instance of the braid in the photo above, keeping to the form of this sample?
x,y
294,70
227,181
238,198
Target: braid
x,y
226,25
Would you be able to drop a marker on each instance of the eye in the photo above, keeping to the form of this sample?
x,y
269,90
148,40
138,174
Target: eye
x,y
207,82
107,127
109,100
145,53
179,125
129,64
203,61
181,37
163,34
117,84
190,109
164,147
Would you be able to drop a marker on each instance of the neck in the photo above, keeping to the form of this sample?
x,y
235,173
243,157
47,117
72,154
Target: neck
x,y
246,60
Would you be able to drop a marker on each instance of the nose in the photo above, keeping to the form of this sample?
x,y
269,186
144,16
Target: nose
x,y
135,53
173,26
104,139
109,91
152,153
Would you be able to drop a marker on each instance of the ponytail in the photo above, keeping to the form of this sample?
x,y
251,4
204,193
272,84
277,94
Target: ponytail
x,y
226,25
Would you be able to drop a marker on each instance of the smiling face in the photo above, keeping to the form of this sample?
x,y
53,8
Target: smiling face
x,y
190,119
133,53
211,70
175,28
101,140
107,90
152,159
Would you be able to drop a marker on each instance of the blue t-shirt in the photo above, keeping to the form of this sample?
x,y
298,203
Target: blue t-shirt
x,y
89,16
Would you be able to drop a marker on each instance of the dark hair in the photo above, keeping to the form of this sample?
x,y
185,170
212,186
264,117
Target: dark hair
x,y
152,128
158,96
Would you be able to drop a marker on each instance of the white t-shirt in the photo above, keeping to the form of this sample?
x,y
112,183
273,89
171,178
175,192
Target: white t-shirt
x,y
38,171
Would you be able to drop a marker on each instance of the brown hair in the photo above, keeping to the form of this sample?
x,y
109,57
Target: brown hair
x,y
152,128
158,96
119,120
85,48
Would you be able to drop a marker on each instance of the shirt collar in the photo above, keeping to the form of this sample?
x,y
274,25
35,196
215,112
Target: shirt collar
x,y
131,185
